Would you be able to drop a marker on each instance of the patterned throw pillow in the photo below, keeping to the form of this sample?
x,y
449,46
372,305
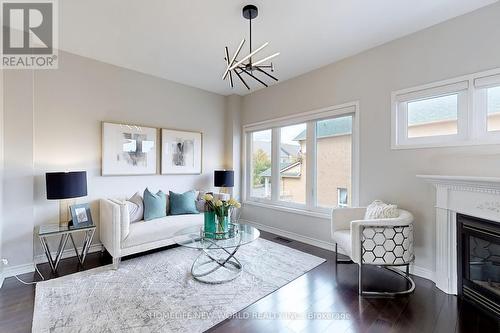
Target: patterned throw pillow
x,y
380,210
135,207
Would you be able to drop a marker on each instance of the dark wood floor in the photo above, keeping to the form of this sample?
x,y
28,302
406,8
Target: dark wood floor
x,y
322,300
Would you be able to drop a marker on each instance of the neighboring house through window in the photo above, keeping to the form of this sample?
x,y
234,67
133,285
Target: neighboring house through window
x,y
320,178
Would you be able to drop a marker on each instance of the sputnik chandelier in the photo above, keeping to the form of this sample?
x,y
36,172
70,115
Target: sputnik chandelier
x,y
246,65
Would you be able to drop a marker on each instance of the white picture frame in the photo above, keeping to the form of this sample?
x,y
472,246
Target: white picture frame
x,y
181,152
129,150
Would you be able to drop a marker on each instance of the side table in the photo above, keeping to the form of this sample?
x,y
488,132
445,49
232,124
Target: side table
x,y
64,232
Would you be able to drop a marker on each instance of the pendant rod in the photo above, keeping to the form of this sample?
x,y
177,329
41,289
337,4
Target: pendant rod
x,y
250,39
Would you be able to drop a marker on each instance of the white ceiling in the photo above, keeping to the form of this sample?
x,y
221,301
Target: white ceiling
x,y
184,40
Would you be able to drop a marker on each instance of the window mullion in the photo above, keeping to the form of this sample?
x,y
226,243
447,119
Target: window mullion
x,y
311,165
275,161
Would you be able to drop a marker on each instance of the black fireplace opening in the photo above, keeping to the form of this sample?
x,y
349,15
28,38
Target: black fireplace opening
x,y
479,262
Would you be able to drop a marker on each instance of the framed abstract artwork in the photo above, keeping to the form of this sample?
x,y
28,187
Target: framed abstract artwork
x,y
181,152
128,150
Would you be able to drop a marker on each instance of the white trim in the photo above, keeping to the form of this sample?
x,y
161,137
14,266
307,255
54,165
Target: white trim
x,y
67,253
311,165
476,196
487,81
288,234
351,108
415,270
10,271
312,213
444,89
471,130
318,114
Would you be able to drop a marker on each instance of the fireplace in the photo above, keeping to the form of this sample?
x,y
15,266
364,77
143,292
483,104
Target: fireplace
x,y
478,242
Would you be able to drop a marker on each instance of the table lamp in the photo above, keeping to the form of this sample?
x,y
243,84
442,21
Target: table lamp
x,y
63,186
224,179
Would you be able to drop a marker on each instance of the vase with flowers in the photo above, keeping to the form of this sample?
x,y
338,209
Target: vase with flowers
x,y
217,215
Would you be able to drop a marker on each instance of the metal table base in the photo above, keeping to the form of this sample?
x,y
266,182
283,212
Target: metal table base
x,y
54,262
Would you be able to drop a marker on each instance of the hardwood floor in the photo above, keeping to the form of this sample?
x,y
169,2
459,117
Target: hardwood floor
x,y
326,295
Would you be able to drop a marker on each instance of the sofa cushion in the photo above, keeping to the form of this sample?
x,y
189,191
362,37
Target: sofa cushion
x,y
155,205
184,203
160,229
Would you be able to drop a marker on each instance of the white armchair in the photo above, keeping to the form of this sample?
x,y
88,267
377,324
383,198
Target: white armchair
x,y
382,242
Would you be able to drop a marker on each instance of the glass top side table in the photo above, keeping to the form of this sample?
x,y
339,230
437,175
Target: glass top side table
x,y
65,232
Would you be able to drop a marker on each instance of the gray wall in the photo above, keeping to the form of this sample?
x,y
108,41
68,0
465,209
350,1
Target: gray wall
x,y
463,45
53,123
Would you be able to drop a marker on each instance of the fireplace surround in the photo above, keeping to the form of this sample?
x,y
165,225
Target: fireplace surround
x,y
455,195
478,242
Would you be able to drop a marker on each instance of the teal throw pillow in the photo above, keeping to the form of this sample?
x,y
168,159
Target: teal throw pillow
x,y
155,205
184,203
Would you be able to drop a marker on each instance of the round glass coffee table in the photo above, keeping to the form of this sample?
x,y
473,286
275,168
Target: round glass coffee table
x,y
217,262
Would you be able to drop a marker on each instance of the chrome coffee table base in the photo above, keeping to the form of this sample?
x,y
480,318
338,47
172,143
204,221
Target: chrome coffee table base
x,y
210,268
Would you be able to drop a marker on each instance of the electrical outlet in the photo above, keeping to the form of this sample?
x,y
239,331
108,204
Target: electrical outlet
x,y
5,262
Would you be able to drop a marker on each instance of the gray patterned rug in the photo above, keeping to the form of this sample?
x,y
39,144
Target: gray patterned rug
x,y
155,292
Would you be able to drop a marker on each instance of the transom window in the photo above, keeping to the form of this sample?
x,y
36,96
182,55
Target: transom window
x,y
461,111
305,162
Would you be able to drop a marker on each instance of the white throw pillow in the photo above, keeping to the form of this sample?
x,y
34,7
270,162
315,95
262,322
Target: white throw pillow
x,y
135,208
380,210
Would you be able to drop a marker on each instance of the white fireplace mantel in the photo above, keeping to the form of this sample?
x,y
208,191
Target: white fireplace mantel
x,y
475,196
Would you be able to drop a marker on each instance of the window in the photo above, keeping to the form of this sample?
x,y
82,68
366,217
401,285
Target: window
x,y
342,197
261,165
333,160
461,111
433,116
293,163
493,95
303,162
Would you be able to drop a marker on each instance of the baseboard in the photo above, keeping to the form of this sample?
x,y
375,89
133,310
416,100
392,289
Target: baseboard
x,y
288,234
422,272
415,270
67,253
9,271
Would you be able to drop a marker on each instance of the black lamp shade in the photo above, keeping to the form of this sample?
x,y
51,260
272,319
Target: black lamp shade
x,y
66,185
223,178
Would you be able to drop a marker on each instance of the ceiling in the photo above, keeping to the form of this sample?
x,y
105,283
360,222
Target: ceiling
x,y
184,40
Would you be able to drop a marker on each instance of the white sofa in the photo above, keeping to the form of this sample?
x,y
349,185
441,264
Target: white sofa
x,y
122,238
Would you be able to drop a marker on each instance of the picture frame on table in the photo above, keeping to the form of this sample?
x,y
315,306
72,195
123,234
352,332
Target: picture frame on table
x,y
128,150
181,152
81,215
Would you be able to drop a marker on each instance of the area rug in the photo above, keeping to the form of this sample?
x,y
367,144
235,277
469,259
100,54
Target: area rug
x,y
156,293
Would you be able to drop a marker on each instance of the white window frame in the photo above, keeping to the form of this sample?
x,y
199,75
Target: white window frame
x,y
339,189
310,208
471,115
481,86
